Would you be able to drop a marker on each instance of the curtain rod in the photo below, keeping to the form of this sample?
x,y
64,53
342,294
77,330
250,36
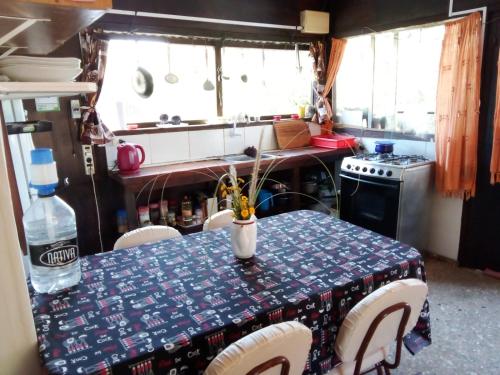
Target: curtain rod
x,y
203,19
202,38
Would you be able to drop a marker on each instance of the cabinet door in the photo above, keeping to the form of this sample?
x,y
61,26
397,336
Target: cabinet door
x,y
90,4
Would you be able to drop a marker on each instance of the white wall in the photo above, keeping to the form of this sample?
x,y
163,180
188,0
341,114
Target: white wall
x,y
191,145
445,214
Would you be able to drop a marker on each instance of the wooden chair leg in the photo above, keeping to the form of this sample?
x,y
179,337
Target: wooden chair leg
x,y
386,370
379,370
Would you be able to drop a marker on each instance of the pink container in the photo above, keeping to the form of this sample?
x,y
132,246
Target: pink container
x,y
333,141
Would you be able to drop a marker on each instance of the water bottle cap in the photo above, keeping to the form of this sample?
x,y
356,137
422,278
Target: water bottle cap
x,y
43,171
41,156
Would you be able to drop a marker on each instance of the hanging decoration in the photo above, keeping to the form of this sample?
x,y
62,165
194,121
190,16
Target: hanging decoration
x,y
92,130
325,78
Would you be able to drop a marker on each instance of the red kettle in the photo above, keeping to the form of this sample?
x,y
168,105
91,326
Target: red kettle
x,y
128,157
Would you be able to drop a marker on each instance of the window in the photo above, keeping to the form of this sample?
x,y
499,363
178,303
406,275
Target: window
x,y
389,80
186,98
265,81
255,82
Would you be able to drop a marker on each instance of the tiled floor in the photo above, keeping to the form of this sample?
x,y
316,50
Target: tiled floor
x,y
465,323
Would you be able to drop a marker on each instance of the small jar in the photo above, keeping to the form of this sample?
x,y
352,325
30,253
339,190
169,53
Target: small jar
x,y
164,208
154,213
144,219
171,219
187,208
122,221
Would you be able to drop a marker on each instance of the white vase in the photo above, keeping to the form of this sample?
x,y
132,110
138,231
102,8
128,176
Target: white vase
x,y
244,237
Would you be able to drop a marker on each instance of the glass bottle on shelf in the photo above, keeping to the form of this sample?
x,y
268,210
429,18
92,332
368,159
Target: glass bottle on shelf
x,y
187,210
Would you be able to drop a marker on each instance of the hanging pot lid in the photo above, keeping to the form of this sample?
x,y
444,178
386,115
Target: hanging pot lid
x,y
142,83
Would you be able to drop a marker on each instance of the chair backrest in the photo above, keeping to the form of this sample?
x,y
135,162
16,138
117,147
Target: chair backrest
x,y
144,235
270,351
218,220
411,292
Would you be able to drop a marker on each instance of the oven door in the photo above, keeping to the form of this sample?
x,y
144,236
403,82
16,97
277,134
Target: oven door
x,y
370,202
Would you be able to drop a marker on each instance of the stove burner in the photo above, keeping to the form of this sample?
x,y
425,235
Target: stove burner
x,y
392,159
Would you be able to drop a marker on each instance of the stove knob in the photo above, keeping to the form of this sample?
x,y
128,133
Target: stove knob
x,y
380,172
389,173
357,167
348,166
372,171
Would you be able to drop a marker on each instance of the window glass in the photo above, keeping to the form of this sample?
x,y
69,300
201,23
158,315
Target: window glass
x,y
384,81
417,76
354,82
186,98
389,80
260,82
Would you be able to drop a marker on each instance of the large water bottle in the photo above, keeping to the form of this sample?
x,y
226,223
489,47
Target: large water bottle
x,y
50,228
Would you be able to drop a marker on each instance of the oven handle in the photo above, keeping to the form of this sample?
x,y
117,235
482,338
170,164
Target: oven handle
x,y
390,186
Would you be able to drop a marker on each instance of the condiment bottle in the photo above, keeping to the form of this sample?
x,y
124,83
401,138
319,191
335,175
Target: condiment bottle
x,y
187,208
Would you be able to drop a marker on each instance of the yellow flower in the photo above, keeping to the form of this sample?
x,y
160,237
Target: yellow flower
x,y
252,210
224,194
244,199
241,180
244,214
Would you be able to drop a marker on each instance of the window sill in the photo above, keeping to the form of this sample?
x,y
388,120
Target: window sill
x,y
359,131
151,128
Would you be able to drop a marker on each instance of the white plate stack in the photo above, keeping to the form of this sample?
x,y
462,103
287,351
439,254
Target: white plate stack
x,y
40,69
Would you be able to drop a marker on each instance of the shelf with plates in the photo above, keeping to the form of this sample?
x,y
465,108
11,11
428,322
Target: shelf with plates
x,y
30,90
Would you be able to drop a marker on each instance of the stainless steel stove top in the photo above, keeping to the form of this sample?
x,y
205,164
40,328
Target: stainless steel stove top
x,y
392,159
389,166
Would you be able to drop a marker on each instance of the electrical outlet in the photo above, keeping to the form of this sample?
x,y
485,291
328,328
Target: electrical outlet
x,y
75,109
88,159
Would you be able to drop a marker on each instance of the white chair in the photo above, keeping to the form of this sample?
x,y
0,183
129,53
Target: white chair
x,y
277,349
144,235
218,220
384,316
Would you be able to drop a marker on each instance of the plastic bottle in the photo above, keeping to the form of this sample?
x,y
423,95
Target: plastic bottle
x,y
50,228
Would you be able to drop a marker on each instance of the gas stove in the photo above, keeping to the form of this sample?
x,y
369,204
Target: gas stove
x,y
387,166
388,194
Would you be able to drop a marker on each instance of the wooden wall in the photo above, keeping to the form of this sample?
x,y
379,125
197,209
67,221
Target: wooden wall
x,y
480,234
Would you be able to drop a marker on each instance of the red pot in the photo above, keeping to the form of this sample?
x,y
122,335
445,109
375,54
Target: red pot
x,y
128,157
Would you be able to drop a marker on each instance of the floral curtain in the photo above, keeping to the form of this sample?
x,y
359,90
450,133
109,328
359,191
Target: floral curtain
x,y
457,109
92,130
326,79
495,152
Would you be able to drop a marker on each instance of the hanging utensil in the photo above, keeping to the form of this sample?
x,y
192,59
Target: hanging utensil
x,y
224,76
244,76
142,80
264,68
170,77
297,53
208,85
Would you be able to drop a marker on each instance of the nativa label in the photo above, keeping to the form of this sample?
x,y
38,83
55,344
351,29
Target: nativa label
x,y
57,254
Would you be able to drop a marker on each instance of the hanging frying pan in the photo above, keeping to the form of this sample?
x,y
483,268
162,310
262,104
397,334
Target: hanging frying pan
x,y
142,83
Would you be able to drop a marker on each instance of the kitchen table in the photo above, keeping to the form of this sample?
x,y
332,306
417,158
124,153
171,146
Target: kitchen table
x,y
169,307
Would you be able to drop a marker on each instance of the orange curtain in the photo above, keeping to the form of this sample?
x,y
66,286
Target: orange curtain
x,y
495,152
457,109
336,54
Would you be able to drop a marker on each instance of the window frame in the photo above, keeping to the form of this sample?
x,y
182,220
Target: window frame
x,y
371,84
218,44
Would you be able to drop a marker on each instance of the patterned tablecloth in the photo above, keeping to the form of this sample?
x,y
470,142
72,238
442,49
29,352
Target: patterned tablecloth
x,y
170,307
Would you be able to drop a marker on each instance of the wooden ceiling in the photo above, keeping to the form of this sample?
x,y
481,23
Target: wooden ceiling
x,y
57,24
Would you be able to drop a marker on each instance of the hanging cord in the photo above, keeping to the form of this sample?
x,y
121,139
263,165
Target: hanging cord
x,y
97,210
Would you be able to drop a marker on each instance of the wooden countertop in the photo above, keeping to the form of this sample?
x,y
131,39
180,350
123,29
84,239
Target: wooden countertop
x,y
210,170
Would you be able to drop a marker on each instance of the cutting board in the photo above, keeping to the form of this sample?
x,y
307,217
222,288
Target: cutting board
x,y
292,134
